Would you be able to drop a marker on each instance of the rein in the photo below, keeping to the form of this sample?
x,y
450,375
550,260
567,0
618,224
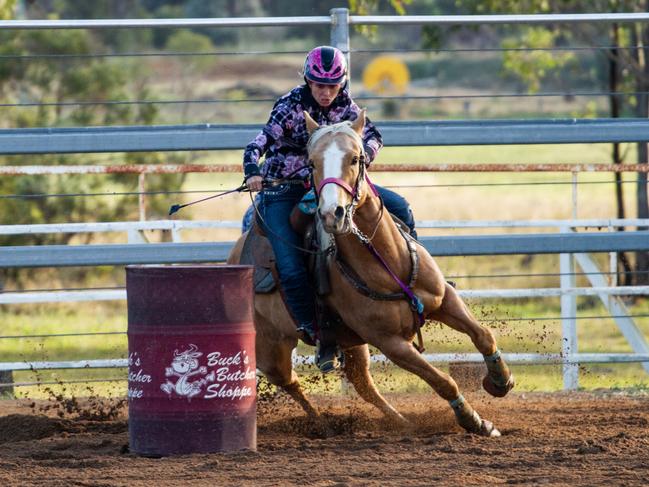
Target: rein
x,y
288,180
327,251
406,289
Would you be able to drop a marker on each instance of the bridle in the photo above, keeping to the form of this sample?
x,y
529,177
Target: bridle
x,y
354,192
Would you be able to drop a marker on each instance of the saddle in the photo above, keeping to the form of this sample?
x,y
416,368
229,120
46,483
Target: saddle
x,y
258,252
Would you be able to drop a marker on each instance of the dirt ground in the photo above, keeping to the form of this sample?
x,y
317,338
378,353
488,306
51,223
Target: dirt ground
x,y
550,439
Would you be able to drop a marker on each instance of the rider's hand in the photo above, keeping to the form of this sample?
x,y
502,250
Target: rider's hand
x,y
254,183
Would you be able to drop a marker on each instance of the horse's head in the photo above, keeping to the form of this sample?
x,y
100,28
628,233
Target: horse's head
x,y
338,159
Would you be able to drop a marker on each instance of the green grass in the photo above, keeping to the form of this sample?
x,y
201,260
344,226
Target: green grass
x,y
528,326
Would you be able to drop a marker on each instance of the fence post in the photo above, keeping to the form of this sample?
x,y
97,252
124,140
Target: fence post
x,y
568,320
6,377
340,33
141,188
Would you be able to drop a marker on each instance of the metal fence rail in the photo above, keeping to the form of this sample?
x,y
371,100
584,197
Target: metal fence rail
x,y
411,133
337,15
169,253
565,243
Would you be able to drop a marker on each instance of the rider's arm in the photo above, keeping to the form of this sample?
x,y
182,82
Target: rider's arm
x,y
252,154
268,136
372,140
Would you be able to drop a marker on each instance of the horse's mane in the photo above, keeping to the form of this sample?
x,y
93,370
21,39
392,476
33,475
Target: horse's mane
x,y
344,127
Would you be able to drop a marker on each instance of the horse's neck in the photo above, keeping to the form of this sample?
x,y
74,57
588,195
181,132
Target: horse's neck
x,y
385,236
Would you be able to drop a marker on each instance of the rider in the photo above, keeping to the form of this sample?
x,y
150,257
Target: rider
x,y
283,141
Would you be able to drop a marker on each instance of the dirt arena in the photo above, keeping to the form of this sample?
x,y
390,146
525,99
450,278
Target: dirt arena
x,y
550,439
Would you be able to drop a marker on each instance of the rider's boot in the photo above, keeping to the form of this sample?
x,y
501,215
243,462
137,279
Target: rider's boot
x,y
307,333
328,356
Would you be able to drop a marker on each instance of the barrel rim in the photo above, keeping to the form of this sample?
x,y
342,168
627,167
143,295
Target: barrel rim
x,y
187,266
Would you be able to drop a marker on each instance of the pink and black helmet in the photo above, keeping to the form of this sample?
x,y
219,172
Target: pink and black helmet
x,y
325,64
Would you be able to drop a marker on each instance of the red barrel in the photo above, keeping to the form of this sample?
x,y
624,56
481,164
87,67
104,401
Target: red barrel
x,y
191,356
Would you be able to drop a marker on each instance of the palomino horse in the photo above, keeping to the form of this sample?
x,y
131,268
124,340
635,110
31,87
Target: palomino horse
x,y
352,215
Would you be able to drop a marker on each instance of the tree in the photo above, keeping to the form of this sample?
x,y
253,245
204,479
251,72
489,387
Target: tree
x,y
7,9
52,82
628,68
191,67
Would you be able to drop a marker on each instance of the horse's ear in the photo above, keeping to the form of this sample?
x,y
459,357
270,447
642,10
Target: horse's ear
x,y
311,125
359,123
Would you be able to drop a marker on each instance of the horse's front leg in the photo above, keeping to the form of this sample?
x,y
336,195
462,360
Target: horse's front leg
x,y
402,353
454,312
274,361
274,346
357,371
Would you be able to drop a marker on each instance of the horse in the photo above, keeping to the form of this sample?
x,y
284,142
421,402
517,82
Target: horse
x,y
377,253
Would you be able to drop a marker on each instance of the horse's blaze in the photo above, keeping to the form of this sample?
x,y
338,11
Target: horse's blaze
x,y
332,196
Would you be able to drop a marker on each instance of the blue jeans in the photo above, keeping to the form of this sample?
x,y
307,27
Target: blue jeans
x,y
398,206
275,206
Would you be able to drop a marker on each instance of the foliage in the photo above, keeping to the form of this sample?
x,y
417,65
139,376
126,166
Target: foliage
x,y
366,7
627,62
53,82
193,67
533,67
7,9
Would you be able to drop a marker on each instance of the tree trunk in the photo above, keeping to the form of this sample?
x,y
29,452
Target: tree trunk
x,y
640,38
615,102
232,8
643,201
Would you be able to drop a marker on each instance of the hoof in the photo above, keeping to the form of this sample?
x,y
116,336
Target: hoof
x,y
399,421
488,429
495,389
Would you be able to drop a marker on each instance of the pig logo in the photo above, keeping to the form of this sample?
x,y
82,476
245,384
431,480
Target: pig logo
x,y
183,366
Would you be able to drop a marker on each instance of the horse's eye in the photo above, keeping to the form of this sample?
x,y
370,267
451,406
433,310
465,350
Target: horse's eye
x,y
310,163
354,160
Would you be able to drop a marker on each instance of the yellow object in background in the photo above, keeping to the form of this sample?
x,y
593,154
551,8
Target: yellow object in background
x,y
386,75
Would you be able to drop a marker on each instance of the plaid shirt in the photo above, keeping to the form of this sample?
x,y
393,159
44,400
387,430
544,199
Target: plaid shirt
x,y
284,137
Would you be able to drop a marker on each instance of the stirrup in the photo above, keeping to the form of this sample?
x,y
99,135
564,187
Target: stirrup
x,y
328,358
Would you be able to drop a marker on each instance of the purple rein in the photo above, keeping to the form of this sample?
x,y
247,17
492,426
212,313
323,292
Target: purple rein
x,y
414,300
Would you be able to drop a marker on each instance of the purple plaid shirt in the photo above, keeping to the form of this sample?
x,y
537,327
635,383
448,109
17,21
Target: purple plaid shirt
x,y
284,137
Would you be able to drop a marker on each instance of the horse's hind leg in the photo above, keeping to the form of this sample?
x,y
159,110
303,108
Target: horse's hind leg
x,y
357,371
453,312
403,354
